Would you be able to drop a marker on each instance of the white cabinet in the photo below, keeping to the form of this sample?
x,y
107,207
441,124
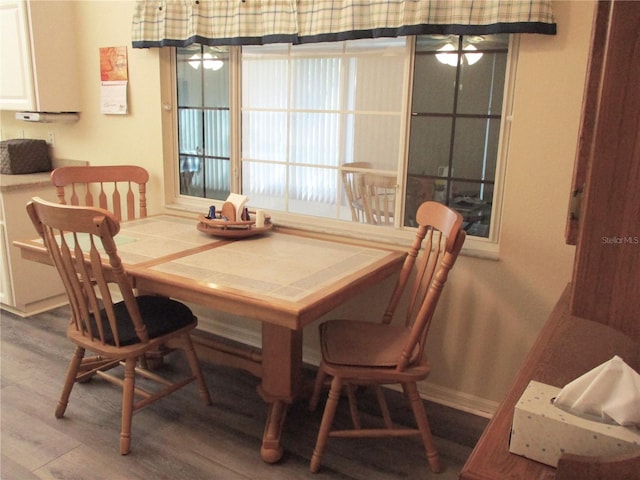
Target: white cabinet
x,y
38,70
26,287
6,294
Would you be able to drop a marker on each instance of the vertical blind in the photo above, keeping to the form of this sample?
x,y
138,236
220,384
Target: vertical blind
x,y
158,23
306,112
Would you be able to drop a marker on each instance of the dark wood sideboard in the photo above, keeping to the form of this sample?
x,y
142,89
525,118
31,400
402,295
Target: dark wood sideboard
x,y
597,315
567,347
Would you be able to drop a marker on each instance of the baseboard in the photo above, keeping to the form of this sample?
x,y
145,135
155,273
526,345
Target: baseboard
x,y
38,307
458,400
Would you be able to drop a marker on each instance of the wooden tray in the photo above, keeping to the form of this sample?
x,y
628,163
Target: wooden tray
x,y
225,228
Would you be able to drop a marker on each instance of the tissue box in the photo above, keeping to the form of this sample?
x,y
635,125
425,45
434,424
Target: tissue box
x,y
543,432
21,155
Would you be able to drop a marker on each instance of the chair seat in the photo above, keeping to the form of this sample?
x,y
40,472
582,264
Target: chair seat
x,y
161,316
363,344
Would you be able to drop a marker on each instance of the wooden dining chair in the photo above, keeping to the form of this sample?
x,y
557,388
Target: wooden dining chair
x,y
378,197
369,353
82,245
121,189
350,172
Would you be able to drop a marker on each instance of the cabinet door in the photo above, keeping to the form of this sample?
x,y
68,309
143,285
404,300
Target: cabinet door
x,y
33,287
16,78
6,293
39,69
606,281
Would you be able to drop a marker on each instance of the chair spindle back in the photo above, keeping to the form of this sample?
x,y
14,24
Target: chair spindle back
x,y
379,197
350,172
433,252
79,239
121,189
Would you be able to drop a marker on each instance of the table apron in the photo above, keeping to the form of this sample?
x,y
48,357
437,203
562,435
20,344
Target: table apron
x,y
243,307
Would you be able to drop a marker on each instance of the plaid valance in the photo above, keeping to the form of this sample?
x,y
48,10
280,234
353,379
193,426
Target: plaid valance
x,y
158,23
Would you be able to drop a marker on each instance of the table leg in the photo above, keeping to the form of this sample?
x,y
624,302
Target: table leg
x,y
271,450
281,381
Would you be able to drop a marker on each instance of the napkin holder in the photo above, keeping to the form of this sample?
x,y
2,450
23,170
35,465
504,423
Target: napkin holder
x,y
220,226
541,431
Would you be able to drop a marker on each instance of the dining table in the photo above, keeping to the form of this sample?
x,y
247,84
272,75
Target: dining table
x,y
285,279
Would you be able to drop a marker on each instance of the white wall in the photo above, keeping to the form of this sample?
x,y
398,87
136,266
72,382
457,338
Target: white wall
x,y
492,310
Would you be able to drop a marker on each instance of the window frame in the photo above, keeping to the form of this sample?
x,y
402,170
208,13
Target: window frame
x,y
398,235
402,114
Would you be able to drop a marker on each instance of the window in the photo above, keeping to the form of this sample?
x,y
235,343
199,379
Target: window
x,y
307,110
423,112
456,117
204,122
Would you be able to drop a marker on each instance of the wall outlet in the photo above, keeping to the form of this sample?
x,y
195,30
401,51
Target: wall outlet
x,y
51,138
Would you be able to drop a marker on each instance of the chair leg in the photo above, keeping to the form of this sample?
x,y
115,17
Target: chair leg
x,y
384,407
325,425
128,393
411,391
317,388
196,370
353,406
70,380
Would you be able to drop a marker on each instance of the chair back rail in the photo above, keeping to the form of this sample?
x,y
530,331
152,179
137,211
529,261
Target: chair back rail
x,y
121,189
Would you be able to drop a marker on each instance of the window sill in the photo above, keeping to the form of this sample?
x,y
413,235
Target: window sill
x,y
389,238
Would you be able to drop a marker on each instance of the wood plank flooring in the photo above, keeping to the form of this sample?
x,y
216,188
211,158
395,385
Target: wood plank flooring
x,y
178,437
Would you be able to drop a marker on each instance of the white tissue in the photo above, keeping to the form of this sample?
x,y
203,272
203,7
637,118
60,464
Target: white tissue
x,y
609,393
238,202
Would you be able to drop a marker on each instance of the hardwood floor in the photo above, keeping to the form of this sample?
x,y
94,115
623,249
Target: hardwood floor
x,y
177,437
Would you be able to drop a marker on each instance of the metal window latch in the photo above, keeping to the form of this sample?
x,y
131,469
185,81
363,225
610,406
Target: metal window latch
x,y
576,203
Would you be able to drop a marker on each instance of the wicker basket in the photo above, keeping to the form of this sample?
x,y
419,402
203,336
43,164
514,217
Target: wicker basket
x,y
19,156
